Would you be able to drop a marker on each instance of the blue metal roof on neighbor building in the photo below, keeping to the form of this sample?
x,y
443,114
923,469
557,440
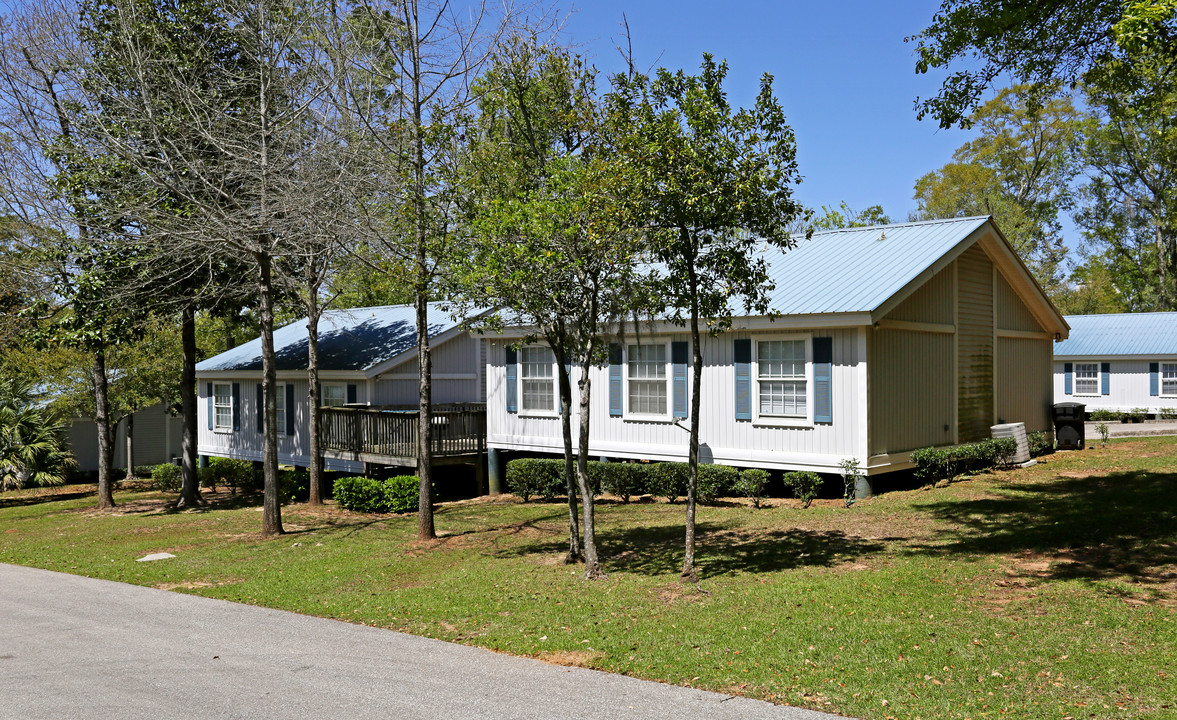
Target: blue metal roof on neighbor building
x,y
1120,334
858,269
353,339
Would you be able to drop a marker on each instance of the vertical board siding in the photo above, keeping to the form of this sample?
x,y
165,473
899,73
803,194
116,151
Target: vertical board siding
x,y
911,391
975,345
931,302
722,438
1012,313
1024,390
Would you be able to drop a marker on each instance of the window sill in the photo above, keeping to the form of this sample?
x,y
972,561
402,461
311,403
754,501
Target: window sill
x,y
798,422
537,414
224,431
661,419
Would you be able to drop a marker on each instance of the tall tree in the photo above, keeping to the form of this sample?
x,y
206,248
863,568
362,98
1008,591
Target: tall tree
x,y
713,184
1040,42
548,249
844,216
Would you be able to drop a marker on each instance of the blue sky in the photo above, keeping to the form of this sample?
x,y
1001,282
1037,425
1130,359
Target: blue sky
x,y
842,72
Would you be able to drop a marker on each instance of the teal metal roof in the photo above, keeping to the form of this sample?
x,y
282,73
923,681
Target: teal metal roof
x,y
858,269
1101,336
352,339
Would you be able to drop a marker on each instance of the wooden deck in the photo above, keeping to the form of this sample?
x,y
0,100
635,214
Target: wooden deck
x,y
387,435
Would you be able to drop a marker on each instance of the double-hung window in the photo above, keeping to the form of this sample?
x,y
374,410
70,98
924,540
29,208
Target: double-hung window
x,y
280,418
781,378
1169,379
223,406
647,379
333,395
537,379
1086,378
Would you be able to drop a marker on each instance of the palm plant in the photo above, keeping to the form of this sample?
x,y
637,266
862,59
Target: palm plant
x,y
32,451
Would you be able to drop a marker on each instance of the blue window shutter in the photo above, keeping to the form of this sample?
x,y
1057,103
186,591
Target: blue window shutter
x,y
743,364
512,380
678,358
823,379
211,409
351,393
1068,378
261,408
615,407
236,406
1154,379
1105,372
289,409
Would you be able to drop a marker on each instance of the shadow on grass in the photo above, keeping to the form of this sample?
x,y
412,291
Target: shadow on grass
x,y
721,549
1093,527
28,500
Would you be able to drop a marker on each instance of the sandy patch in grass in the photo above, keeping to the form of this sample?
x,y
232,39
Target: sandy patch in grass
x,y
573,658
678,592
196,584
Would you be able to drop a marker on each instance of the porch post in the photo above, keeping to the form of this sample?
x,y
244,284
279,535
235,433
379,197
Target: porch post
x,y
494,471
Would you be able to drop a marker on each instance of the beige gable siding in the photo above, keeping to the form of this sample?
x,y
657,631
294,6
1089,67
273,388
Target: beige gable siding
x,y
1012,313
975,336
931,302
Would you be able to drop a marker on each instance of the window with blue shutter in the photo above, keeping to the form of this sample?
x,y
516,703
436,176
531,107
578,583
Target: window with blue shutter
x,y
823,385
742,356
678,358
512,380
615,363
1068,378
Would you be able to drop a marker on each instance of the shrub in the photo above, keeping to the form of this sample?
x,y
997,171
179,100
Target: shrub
x,y
234,474
294,485
143,471
361,494
528,477
805,485
1167,414
851,474
624,480
1040,443
751,484
166,477
668,480
715,481
1138,414
208,478
1105,415
933,464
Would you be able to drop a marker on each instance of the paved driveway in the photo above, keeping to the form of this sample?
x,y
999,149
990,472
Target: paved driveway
x,y
73,647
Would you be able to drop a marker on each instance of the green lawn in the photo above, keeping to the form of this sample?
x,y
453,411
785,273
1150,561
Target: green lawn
x,y
1041,593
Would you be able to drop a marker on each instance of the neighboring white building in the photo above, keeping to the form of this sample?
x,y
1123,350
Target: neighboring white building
x,y
367,356
1119,362
884,340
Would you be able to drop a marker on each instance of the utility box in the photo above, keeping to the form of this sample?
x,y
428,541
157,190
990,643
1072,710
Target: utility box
x,y
1069,432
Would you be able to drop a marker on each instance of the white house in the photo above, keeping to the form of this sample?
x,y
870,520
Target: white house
x,y
883,340
367,356
1119,362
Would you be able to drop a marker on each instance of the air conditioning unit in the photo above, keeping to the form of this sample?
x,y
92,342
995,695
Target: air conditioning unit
x,y
1017,431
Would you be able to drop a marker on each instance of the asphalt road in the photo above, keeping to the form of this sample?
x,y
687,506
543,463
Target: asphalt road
x,y
73,647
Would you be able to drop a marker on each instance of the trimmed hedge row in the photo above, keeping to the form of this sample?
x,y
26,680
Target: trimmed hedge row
x,y
239,475
544,478
394,495
933,464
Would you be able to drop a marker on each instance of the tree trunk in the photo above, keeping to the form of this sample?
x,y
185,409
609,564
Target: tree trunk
x,y
574,555
316,451
130,447
425,529
271,503
688,565
105,436
592,565
190,484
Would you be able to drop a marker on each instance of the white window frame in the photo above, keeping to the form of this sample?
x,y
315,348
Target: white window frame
x,y
628,413
323,393
217,426
1161,372
759,418
521,378
1076,380
280,407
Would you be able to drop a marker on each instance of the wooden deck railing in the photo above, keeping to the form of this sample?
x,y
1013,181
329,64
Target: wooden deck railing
x,y
391,431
